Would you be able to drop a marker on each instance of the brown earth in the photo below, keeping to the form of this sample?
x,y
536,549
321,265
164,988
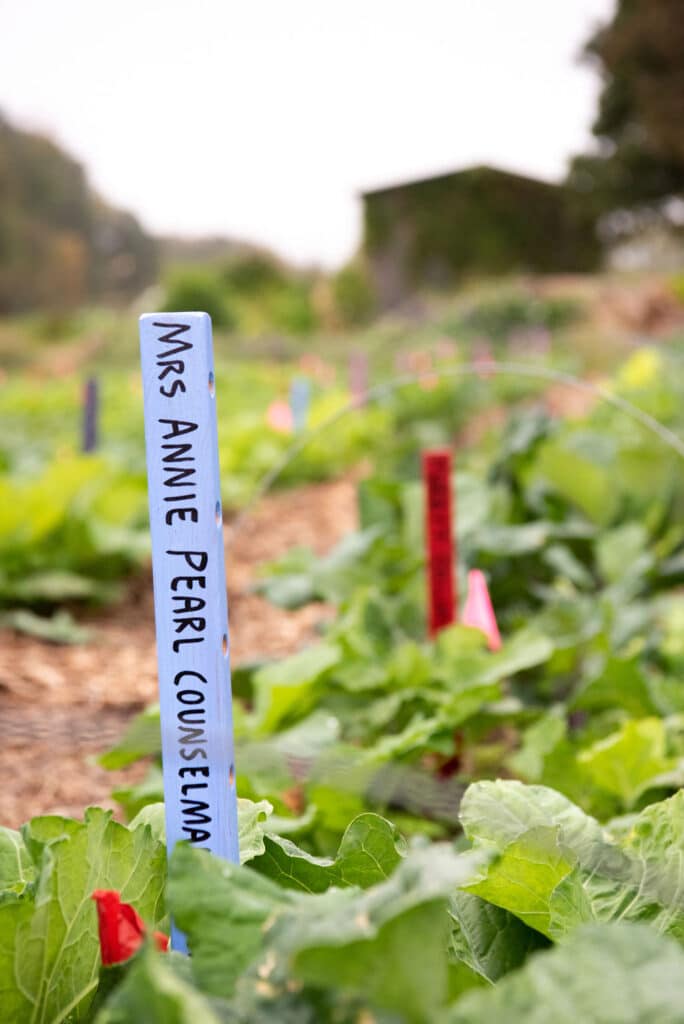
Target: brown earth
x,y
60,706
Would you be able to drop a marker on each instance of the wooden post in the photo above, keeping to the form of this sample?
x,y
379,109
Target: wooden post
x,y
439,540
90,414
190,601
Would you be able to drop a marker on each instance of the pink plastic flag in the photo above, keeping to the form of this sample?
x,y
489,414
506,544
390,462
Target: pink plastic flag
x,y
279,416
478,611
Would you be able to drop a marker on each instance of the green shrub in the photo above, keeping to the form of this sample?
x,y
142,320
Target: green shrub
x,y
200,288
291,309
501,316
353,295
252,274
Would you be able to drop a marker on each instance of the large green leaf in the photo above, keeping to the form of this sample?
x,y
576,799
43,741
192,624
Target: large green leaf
x,y
603,974
49,948
387,944
556,867
490,940
369,852
222,908
499,812
526,876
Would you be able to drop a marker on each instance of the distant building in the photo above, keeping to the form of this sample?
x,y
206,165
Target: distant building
x,y
433,232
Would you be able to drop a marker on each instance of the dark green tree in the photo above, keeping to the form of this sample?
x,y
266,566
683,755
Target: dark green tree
x,y
60,244
640,123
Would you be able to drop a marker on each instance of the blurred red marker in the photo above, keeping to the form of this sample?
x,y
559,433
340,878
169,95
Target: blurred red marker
x,y
478,611
439,539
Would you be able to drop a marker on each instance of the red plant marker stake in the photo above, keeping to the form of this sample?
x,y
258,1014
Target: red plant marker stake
x,y
439,537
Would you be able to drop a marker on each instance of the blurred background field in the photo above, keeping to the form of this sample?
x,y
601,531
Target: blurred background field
x,y
582,275
422,226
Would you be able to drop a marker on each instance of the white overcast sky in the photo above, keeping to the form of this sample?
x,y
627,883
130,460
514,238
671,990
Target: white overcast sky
x,y
263,119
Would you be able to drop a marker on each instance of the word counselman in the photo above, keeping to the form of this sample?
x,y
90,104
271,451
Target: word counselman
x,y
189,582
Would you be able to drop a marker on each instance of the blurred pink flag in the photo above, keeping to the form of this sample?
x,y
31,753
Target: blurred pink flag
x,y
279,416
478,611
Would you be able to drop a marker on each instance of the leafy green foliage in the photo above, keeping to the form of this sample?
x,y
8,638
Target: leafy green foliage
x,y
388,943
409,933
368,852
556,867
353,295
191,288
156,991
49,950
502,315
601,974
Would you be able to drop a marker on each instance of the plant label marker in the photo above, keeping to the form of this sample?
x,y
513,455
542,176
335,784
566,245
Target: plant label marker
x,y
90,411
358,378
300,395
478,610
190,603
439,539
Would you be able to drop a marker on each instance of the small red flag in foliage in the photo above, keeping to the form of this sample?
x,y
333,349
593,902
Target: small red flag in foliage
x,y
121,928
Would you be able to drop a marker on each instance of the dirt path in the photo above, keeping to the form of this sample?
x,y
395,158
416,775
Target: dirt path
x,y
59,706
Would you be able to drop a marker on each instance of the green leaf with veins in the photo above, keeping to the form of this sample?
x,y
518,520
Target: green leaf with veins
x,y
556,867
387,944
603,974
526,875
369,852
499,812
489,939
17,870
49,947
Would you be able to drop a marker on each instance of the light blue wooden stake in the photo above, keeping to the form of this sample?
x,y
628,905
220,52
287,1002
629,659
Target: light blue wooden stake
x,y
190,604
300,395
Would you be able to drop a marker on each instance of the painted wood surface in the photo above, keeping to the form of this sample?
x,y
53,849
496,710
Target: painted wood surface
x,y
190,601
439,539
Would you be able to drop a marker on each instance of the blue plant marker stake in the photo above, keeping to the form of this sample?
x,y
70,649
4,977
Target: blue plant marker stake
x,y
300,394
90,411
190,604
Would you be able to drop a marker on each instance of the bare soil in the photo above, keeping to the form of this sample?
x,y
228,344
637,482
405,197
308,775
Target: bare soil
x,y
61,706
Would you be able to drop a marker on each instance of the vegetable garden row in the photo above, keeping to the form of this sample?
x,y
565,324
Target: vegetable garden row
x,y
386,877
